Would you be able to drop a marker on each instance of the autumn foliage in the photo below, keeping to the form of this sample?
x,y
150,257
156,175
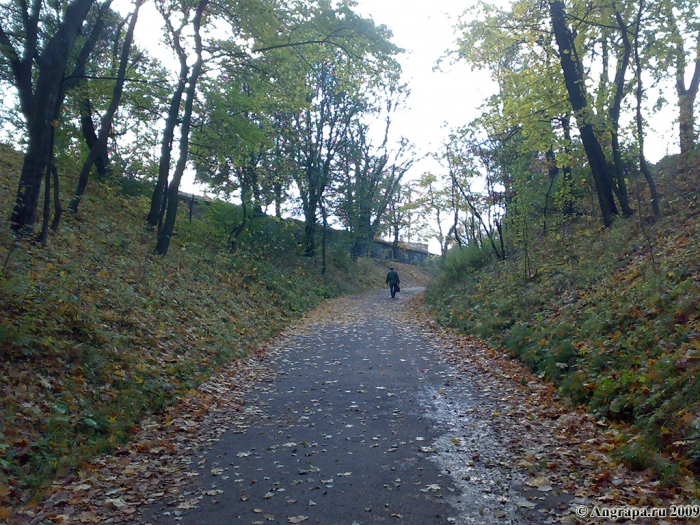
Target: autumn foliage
x,y
97,332
610,316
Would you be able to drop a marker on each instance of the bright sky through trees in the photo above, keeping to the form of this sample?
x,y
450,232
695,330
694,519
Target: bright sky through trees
x,y
448,97
441,99
438,98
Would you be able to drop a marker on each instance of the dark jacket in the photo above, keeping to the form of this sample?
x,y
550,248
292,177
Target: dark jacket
x,y
392,277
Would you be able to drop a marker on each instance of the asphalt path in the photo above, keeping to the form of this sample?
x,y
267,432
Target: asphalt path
x,y
364,424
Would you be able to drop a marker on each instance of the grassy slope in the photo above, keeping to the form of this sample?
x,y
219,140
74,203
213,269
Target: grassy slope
x,y
96,331
610,316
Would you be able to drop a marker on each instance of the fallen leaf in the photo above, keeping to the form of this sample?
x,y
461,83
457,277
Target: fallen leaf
x,y
526,504
297,519
192,503
86,517
539,481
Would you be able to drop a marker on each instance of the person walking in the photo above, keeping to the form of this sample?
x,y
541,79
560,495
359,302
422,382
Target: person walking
x,y
392,279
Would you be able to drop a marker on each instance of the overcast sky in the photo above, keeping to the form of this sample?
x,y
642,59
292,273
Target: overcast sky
x,y
439,100
424,29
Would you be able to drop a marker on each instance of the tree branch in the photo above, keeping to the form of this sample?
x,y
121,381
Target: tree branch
x,y
8,50
149,82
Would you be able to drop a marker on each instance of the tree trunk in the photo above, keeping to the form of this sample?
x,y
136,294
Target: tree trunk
x,y
575,86
499,255
57,208
567,176
359,248
686,96
643,166
686,117
169,224
395,244
167,143
278,200
236,233
44,235
324,239
619,184
87,126
310,229
39,106
552,170
100,146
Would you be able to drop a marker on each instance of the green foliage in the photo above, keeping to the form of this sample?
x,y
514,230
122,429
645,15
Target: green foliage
x,y
97,332
467,259
610,316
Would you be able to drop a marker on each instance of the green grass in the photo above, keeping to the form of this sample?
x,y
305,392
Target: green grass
x,y
97,332
610,316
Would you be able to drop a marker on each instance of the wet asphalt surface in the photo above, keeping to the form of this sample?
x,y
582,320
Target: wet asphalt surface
x,y
363,425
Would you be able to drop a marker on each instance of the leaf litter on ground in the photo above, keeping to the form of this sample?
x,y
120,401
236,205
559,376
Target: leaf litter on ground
x,y
555,446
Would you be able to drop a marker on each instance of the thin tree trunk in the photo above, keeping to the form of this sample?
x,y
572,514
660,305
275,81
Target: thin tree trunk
x,y
40,105
278,200
619,184
57,208
166,145
163,207
310,230
575,86
166,232
236,233
101,145
395,244
644,167
499,255
567,176
87,126
499,228
324,239
686,96
552,170
686,116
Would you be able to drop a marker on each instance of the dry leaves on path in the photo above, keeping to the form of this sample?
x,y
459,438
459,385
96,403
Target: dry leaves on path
x,y
562,449
160,462
558,445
